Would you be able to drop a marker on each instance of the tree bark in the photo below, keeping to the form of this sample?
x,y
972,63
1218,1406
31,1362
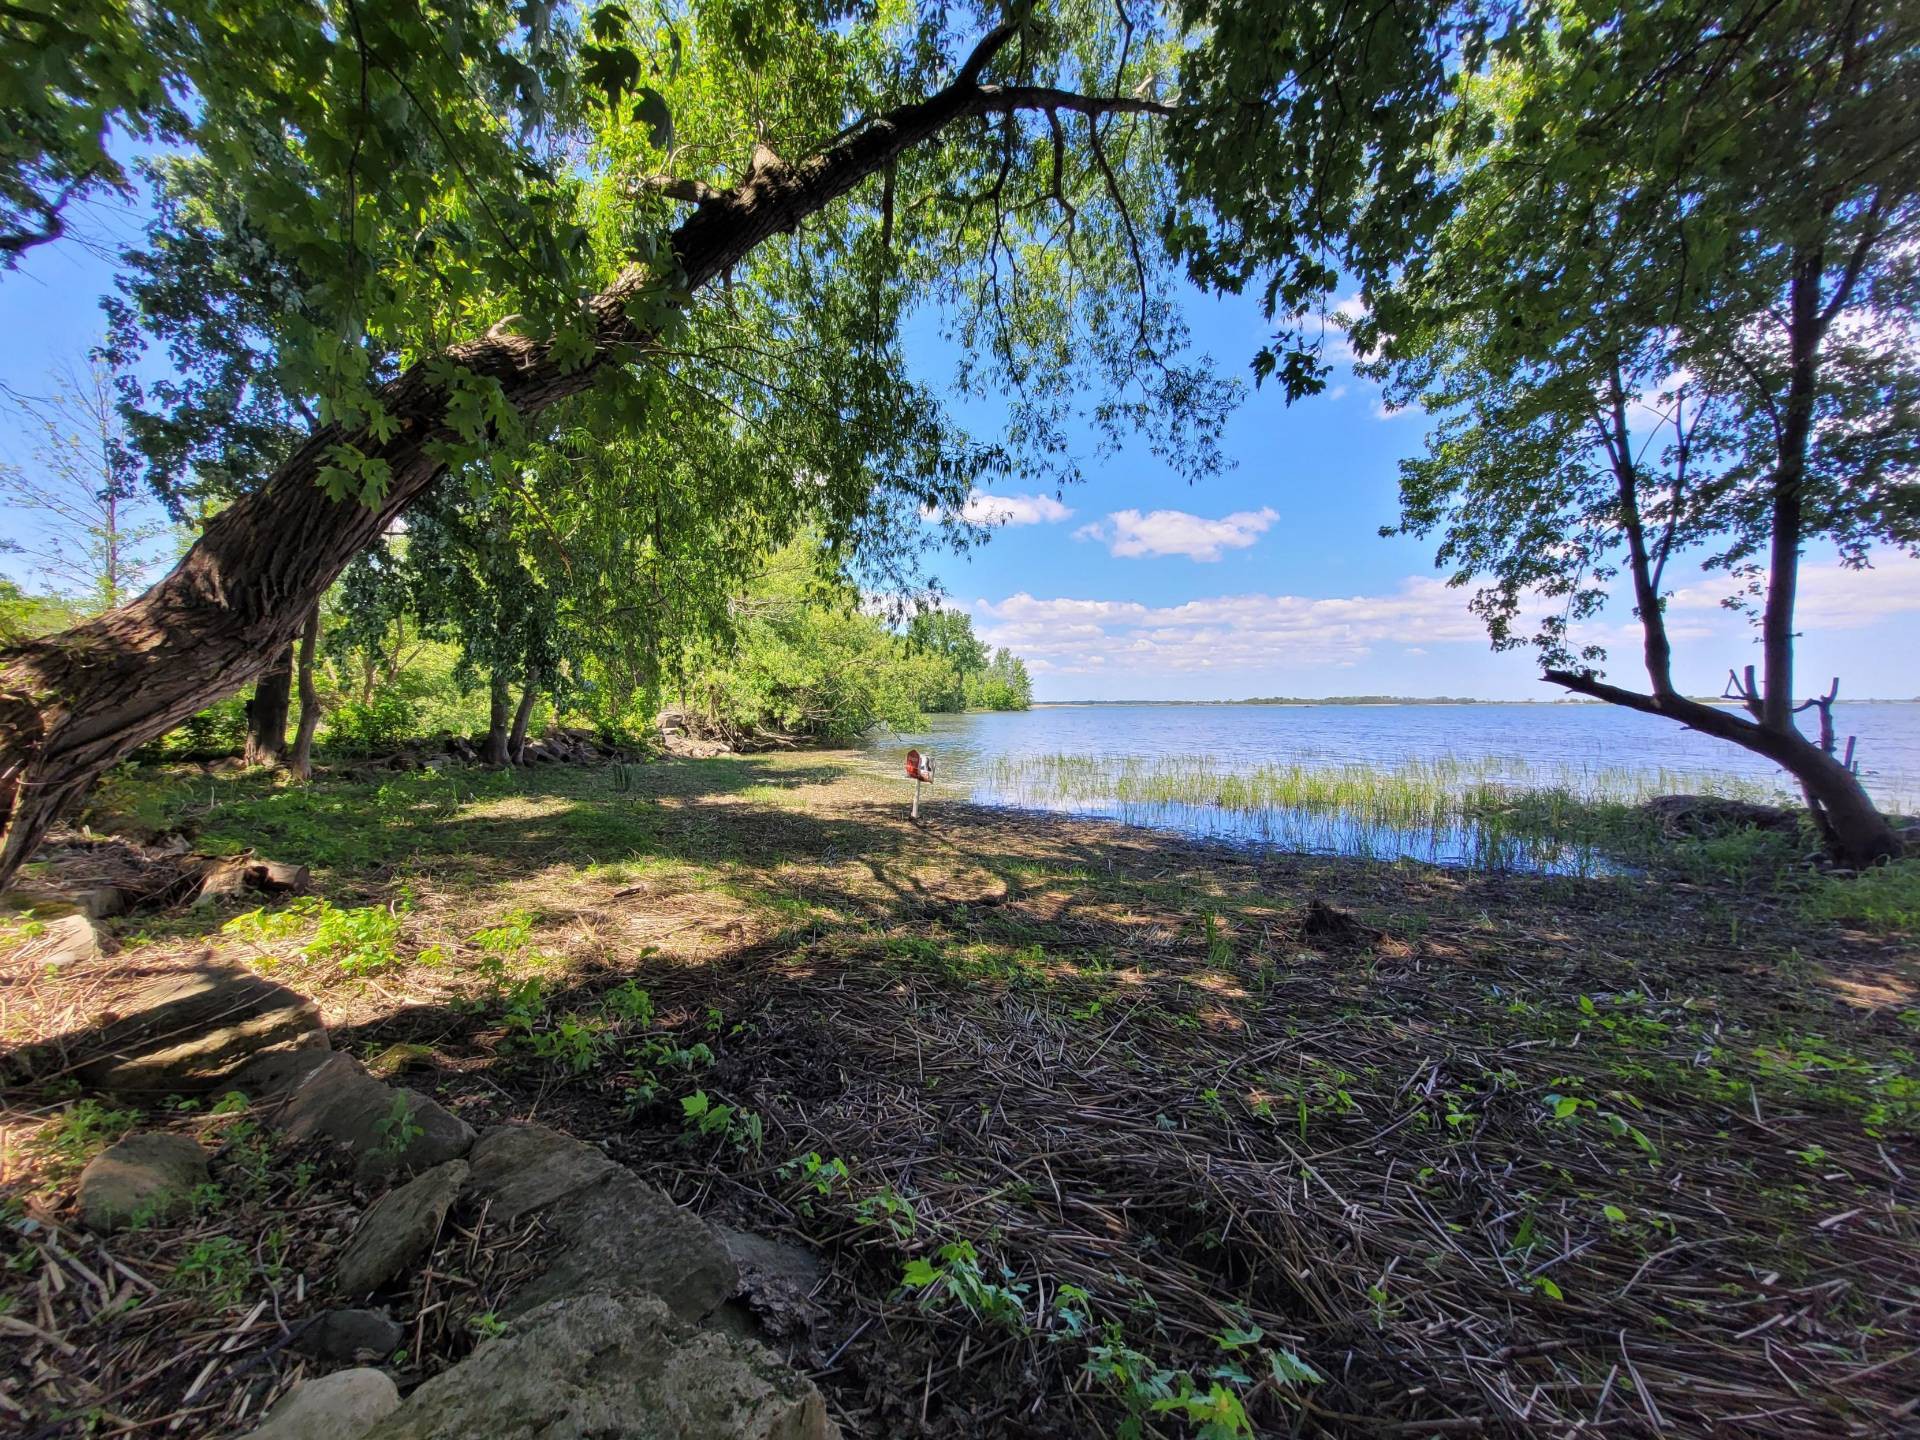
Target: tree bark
x,y
73,704
499,717
309,700
517,741
1855,831
267,713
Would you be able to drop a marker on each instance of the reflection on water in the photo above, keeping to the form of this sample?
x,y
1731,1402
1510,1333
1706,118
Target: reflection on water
x,y
1422,782
1466,845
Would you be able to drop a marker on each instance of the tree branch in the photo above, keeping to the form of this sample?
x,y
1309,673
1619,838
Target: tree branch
x,y
696,191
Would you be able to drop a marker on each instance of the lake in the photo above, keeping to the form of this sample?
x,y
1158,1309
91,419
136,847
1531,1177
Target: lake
x,y
1282,775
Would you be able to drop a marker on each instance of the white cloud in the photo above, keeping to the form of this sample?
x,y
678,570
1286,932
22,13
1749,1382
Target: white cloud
x,y
1384,411
1225,632
1131,534
1832,597
1340,320
984,509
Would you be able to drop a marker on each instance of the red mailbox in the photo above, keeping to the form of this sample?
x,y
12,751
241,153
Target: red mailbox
x,y
920,771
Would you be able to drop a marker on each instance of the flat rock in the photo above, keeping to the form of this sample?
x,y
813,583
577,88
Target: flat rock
x,y
355,1336
143,1177
518,1169
340,1406
621,1236
612,1368
386,1129
191,1032
398,1230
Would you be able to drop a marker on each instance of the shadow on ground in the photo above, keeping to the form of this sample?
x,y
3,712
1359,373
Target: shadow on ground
x,y
1549,1153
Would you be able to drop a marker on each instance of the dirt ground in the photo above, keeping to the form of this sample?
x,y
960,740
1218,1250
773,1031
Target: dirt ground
x,y
1091,1127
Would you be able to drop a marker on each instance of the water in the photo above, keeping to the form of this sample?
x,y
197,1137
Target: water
x,y
1592,750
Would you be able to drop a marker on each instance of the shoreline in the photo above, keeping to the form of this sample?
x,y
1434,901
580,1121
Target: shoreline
x,y
1354,1106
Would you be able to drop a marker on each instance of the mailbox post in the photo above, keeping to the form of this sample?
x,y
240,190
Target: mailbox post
x,y
920,771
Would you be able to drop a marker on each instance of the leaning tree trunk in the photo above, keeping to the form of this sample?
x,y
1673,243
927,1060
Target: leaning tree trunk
x,y
302,763
499,719
1851,825
73,704
517,741
267,713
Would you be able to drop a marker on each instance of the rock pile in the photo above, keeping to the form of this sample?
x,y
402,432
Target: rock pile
x,y
625,1331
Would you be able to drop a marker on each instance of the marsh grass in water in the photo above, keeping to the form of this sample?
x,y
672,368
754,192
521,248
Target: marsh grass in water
x,y
1481,814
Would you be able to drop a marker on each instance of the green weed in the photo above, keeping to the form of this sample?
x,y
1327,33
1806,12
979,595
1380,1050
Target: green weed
x,y
1887,897
958,1279
73,1137
703,1115
216,1268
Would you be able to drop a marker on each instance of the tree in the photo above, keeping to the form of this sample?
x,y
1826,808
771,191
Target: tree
x,y
474,585
374,95
969,675
1001,684
804,659
947,635
1674,312
301,763
96,540
1010,163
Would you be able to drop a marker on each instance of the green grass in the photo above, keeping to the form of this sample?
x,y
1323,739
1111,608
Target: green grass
x,y
1888,898
1489,813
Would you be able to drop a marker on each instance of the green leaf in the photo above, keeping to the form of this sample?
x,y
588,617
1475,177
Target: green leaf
x,y
613,70
919,1274
1290,1369
609,22
1615,1214
652,111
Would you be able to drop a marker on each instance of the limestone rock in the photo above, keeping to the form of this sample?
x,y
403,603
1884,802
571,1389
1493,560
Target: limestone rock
x,y
191,1032
340,1406
350,1335
145,1177
621,1236
401,1059
399,1230
613,1368
102,902
387,1129
518,1169
67,939
274,1073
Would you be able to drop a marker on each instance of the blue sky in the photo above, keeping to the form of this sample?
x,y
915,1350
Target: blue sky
x,y
1269,579
1273,579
